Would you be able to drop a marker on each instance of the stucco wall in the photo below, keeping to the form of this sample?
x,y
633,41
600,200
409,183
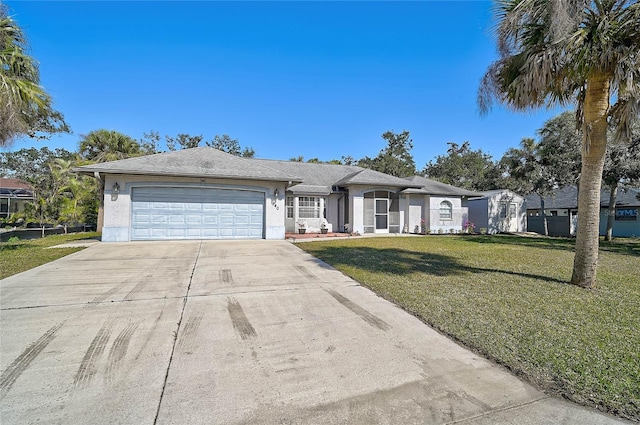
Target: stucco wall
x,y
117,210
460,214
621,228
416,208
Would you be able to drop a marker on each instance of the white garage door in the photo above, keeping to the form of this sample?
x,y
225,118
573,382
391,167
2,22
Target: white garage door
x,y
196,213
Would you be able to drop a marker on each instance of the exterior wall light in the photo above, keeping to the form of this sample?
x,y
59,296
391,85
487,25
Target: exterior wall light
x,y
115,189
275,193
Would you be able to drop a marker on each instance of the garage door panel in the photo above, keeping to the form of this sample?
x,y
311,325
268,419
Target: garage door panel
x,y
176,219
242,220
210,233
159,219
174,232
210,219
193,219
196,233
142,218
195,213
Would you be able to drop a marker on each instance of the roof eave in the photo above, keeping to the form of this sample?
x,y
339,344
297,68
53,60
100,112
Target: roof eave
x,y
91,171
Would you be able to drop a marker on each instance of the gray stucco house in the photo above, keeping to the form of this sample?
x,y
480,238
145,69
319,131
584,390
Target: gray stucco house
x,y
204,193
561,210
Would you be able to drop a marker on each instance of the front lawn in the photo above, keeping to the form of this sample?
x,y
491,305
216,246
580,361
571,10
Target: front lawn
x,y
16,257
508,299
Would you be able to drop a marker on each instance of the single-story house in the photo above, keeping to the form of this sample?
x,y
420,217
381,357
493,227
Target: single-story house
x,y
14,196
561,209
204,193
499,211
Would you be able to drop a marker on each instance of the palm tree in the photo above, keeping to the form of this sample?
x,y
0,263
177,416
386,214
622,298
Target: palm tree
x,y
108,145
25,108
103,146
19,79
581,52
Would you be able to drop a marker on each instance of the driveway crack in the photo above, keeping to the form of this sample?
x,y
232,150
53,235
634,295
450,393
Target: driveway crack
x,y
175,335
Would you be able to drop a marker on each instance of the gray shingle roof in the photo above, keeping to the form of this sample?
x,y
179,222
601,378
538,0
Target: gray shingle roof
x,y
306,178
370,177
319,178
433,187
196,162
567,197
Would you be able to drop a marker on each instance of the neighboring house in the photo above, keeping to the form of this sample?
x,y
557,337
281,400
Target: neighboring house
x,y
561,209
14,195
204,193
499,211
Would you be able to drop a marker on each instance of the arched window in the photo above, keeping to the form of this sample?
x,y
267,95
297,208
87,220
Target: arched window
x,y
446,210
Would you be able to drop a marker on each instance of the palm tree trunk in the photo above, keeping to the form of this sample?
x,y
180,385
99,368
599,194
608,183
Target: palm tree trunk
x,y
594,144
611,216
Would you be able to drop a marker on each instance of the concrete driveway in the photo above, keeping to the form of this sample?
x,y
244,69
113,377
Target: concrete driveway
x,y
236,332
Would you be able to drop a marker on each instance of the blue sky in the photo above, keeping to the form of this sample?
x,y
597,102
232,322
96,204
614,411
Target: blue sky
x,y
318,79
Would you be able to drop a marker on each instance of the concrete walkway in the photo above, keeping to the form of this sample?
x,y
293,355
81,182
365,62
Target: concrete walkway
x,y
236,333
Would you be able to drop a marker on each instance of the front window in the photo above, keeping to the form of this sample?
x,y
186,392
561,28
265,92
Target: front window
x,y
503,210
309,207
446,210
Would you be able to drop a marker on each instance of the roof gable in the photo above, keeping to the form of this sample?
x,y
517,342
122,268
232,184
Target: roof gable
x,y
366,176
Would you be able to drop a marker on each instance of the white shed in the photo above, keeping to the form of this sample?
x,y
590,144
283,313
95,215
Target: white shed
x,y
499,211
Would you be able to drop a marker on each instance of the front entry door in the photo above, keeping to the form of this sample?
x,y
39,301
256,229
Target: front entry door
x,y
382,216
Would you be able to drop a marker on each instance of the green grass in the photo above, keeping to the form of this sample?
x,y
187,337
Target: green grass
x,y
16,257
508,299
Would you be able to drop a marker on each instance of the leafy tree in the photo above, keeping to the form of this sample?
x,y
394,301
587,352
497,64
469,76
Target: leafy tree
x,y
150,143
183,141
348,160
61,195
25,108
298,158
30,164
226,144
524,173
465,168
559,149
395,159
583,52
